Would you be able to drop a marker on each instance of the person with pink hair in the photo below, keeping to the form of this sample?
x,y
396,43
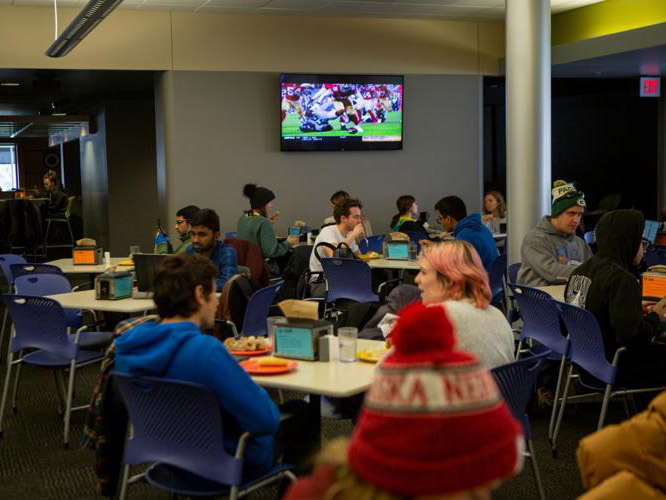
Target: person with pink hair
x,y
452,276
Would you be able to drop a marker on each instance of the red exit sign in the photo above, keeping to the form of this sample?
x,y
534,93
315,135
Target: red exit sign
x,y
650,86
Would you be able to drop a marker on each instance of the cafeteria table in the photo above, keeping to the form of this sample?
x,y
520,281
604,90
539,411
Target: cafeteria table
x,y
86,300
67,266
393,264
332,378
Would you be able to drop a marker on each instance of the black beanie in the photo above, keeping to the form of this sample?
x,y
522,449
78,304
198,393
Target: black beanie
x,y
259,196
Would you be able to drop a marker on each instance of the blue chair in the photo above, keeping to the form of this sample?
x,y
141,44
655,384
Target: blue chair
x,y
39,323
512,272
6,260
587,352
256,312
541,322
516,383
348,279
496,278
41,285
30,268
589,237
655,256
178,427
416,237
372,244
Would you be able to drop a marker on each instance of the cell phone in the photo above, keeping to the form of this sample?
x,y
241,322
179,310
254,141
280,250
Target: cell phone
x,y
295,231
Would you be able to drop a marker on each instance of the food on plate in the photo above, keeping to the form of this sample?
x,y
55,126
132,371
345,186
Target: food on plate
x,y
370,255
246,344
272,362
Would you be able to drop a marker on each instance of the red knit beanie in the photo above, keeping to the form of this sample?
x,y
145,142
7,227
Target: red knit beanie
x,y
433,421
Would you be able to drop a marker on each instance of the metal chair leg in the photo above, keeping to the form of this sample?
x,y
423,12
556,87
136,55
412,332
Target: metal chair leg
x,y
68,402
2,332
535,467
520,347
565,395
553,412
16,382
5,389
604,406
124,482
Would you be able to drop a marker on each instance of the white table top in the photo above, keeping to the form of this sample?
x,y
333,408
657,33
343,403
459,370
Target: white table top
x,y
555,291
499,236
393,264
332,378
67,267
86,300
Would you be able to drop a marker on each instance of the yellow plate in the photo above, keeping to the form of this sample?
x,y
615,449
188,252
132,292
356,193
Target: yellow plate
x,y
127,262
371,355
370,257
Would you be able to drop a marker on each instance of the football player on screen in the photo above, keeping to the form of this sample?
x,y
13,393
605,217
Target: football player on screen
x,y
291,100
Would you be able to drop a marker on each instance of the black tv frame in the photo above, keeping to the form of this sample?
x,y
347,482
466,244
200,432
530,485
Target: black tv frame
x,y
348,143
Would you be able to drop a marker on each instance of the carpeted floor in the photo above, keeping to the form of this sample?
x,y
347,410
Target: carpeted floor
x,y
34,464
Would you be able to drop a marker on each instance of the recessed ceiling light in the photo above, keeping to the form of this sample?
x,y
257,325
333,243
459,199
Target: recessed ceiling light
x,y
9,84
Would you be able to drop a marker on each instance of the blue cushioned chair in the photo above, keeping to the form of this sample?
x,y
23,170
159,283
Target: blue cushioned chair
x,y
39,323
516,382
6,261
177,426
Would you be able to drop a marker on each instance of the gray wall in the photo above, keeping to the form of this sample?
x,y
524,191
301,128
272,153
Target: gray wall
x,y
222,130
94,184
119,177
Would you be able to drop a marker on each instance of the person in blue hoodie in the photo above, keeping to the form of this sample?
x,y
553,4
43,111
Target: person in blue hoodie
x,y
453,218
175,347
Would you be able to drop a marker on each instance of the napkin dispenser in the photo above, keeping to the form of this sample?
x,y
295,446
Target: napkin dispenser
x,y
87,255
113,286
297,335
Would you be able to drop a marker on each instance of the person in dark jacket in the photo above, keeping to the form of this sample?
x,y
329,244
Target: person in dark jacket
x,y
407,218
607,285
57,197
453,218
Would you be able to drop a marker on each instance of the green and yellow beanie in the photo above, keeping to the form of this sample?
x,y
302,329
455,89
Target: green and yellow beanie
x,y
565,196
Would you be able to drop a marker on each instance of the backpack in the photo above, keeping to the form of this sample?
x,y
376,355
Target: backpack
x,y
342,251
233,303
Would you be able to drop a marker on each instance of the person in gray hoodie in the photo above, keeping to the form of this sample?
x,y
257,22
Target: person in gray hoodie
x,y
551,251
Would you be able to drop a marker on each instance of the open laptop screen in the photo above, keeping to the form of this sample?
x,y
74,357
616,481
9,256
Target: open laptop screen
x,y
144,267
651,230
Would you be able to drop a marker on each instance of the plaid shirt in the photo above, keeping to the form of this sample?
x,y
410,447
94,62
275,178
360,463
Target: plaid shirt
x,y
225,259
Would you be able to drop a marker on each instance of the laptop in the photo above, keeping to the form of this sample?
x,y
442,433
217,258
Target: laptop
x,y
397,250
144,270
651,230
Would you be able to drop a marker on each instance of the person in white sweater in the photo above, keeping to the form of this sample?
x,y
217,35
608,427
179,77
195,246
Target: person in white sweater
x,y
452,276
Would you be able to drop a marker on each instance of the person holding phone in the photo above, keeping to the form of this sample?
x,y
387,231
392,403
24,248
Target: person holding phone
x,y
256,226
607,286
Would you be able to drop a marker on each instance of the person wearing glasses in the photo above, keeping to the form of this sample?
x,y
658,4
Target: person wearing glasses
x,y
607,285
183,228
454,219
551,250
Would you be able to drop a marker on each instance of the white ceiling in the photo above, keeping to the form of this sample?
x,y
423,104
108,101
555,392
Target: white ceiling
x,y
477,10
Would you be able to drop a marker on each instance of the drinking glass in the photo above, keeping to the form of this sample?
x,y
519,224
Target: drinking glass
x,y
347,342
270,324
134,249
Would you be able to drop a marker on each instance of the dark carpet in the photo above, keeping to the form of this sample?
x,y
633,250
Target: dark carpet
x,y
34,463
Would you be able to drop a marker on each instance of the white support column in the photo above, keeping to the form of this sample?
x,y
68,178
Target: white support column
x,y
527,117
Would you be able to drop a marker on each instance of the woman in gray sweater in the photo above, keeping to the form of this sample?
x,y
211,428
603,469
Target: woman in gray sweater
x,y
452,276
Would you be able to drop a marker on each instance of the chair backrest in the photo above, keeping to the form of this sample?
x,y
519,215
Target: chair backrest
x,y
42,284
512,272
348,279
496,277
372,244
256,313
40,323
589,237
516,382
541,318
6,260
587,344
179,424
29,268
655,257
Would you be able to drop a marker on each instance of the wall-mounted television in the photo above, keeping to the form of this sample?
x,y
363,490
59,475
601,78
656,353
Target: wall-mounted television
x,y
340,112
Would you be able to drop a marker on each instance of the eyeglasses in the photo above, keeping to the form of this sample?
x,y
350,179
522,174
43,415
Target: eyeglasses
x,y
645,242
180,221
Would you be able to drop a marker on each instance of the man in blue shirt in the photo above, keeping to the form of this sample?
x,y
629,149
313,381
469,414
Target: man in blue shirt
x,y
205,231
174,347
453,218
